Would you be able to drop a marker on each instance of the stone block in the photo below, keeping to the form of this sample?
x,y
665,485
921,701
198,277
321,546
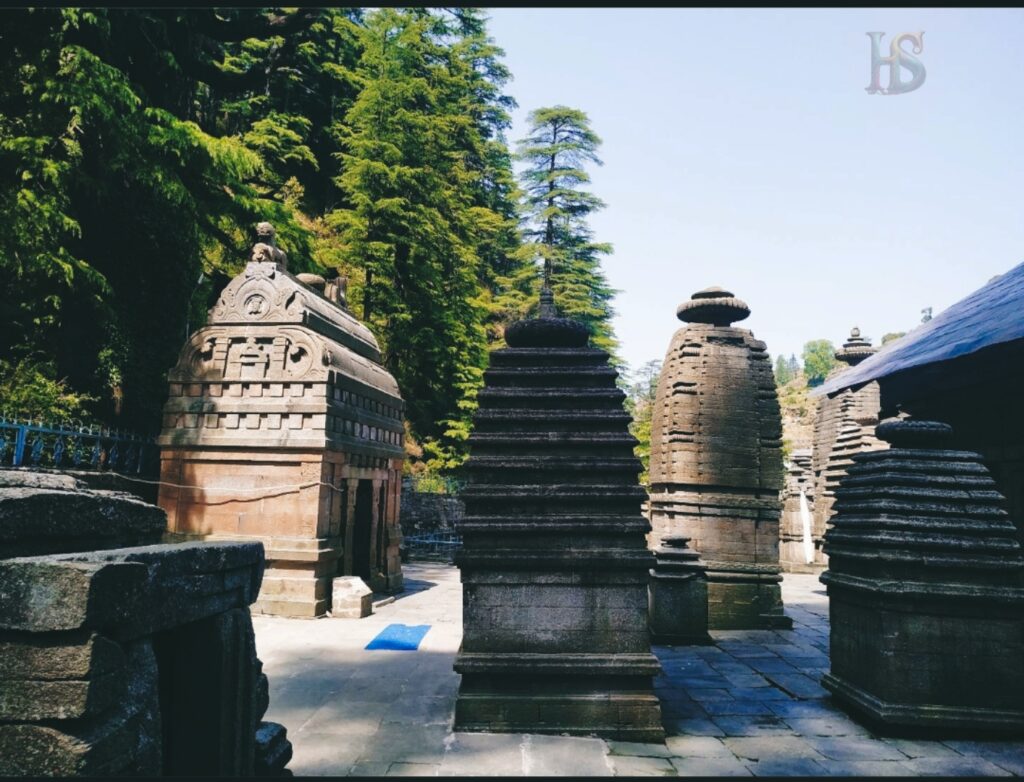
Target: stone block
x,y
351,598
36,519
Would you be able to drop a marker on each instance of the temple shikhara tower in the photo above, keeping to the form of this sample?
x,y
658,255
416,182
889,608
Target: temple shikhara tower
x,y
716,460
554,563
282,426
844,425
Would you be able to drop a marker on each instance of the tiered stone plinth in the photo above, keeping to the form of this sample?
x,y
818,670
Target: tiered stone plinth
x,y
796,553
554,564
926,589
844,425
678,595
282,426
716,460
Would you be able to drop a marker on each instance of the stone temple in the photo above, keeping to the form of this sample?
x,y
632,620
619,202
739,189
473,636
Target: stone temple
x,y
926,589
282,426
716,460
799,546
554,562
844,424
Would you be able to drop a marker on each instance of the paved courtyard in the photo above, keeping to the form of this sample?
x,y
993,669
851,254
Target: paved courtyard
x,y
750,705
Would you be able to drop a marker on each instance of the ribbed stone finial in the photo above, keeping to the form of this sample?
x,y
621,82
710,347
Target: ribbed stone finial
x,y
904,433
713,305
855,349
547,330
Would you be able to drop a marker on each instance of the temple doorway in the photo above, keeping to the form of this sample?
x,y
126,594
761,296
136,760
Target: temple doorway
x,y
362,532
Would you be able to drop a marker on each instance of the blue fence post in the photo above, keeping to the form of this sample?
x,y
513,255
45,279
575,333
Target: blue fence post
x,y
19,444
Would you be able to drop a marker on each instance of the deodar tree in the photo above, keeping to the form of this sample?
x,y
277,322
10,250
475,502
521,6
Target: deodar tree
x,y
556,207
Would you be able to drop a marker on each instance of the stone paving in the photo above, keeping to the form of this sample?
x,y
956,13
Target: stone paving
x,y
748,706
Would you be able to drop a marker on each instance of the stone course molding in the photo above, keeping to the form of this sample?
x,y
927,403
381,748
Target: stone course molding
x,y
716,460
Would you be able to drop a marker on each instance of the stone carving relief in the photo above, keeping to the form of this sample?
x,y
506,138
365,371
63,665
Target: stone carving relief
x,y
272,356
254,296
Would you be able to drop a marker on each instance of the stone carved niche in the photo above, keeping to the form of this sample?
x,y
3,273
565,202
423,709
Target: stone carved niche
x,y
716,460
283,389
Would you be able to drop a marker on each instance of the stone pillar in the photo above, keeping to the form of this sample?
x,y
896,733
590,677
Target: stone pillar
x,y
798,518
678,593
926,589
844,425
554,563
716,460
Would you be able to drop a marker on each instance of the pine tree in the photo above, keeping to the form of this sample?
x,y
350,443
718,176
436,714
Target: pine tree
x,y
793,365
560,143
782,372
413,155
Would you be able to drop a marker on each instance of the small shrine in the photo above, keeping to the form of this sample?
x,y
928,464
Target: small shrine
x,y
799,546
925,587
282,426
554,563
716,460
844,424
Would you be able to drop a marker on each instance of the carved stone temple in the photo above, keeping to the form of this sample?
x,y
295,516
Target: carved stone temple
x,y
799,546
282,426
844,424
716,460
926,588
554,563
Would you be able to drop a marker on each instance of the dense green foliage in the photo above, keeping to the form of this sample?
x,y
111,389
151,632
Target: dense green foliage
x,y
139,148
560,143
640,392
819,359
890,336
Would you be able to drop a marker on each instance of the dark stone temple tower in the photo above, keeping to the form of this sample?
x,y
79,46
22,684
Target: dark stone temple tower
x,y
926,589
716,460
554,562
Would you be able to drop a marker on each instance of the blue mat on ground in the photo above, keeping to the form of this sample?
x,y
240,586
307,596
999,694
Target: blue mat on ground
x,y
404,638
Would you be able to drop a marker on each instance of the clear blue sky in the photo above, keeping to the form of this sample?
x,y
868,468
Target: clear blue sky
x,y
741,149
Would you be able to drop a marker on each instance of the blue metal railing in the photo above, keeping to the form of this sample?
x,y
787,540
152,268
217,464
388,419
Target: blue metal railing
x,y
25,443
434,546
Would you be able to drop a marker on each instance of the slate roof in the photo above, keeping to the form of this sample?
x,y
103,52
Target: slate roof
x,y
991,315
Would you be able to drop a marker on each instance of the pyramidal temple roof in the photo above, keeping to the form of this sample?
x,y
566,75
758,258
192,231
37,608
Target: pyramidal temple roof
x,y
992,315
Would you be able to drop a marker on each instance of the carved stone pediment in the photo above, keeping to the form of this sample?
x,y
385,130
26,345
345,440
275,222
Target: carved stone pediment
x,y
274,354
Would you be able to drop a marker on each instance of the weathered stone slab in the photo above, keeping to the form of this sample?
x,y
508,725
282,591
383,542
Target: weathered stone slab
x,y
36,520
